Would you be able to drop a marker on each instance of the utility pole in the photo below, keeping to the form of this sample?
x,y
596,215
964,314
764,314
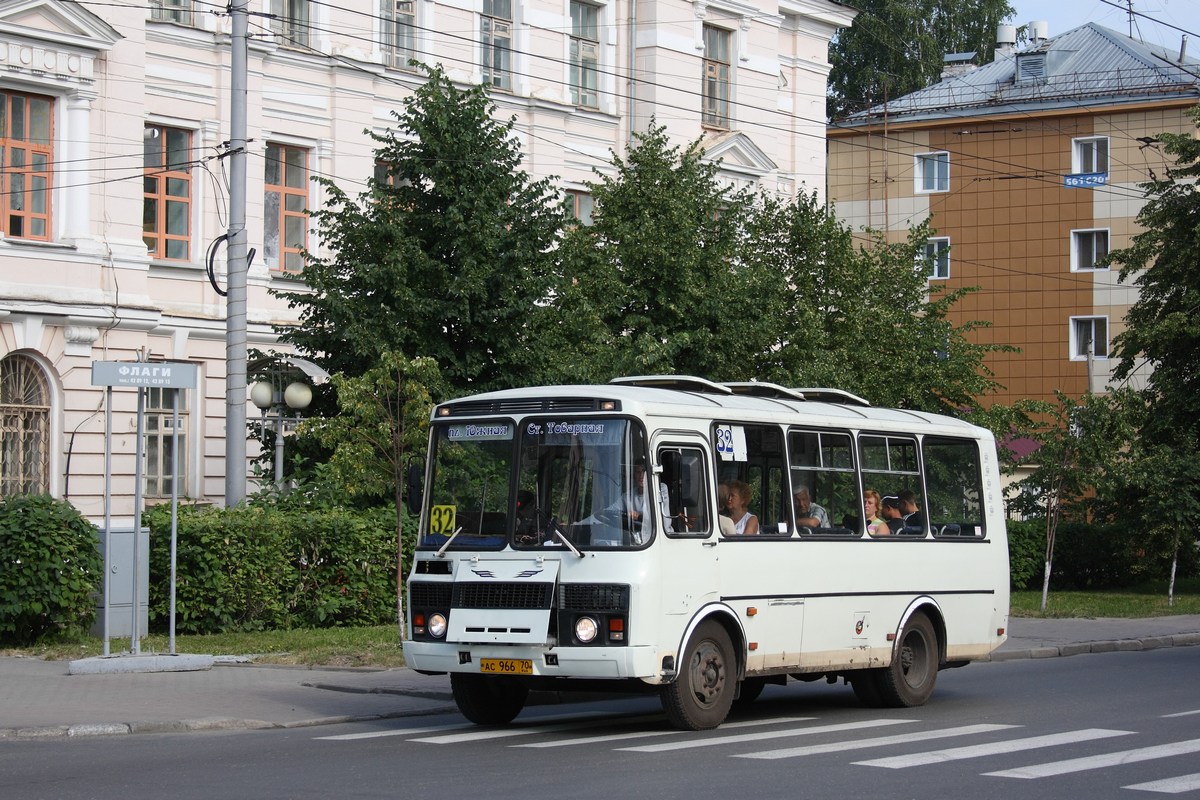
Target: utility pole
x,y
235,309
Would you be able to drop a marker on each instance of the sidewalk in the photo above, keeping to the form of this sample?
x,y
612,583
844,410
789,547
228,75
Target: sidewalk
x,y
40,699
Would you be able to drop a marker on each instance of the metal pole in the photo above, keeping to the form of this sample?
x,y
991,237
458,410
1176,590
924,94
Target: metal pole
x,y
174,511
135,644
235,331
279,446
107,507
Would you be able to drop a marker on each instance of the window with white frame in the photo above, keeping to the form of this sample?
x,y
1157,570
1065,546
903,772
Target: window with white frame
x,y
285,215
585,53
937,258
179,11
291,21
26,153
160,441
399,32
24,427
1090,155
1089,335
933,172
1087,248
495,43
718,67
167,192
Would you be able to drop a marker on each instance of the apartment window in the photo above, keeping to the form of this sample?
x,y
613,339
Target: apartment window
x,y
160,440
24,427
399,32
937,259
580,206
585,53
1090,155
1089,334
718,64
290,21
172,11
167,192
285,220
1087,248
495,41
933,172
26,150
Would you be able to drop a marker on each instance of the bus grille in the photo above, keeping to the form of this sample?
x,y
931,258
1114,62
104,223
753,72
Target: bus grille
x,y
503,595
594,597
430,594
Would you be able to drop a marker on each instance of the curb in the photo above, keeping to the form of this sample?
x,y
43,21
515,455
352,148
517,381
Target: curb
x,y
1102,646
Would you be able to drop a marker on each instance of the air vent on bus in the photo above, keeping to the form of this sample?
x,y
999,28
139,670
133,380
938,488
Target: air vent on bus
x,y
526,405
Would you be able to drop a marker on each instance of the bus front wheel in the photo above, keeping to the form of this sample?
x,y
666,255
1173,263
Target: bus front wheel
x,y
485,700
910,678
700,698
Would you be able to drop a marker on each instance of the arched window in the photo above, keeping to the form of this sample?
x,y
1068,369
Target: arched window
x,y
24,427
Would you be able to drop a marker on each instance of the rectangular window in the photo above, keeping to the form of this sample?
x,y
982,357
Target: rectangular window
x,y
824,489
754,463
26,150
718,64
585,53
1090,155
285,218
1089,334
160,439
290,21
580,206
933,172
167,192
1088,247
399,32
955,487
937,259
495,43
172,11
890,466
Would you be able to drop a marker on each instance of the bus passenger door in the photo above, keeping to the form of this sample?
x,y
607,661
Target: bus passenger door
x,y
688,550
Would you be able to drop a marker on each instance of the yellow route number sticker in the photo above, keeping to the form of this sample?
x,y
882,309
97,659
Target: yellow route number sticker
x,y
441,520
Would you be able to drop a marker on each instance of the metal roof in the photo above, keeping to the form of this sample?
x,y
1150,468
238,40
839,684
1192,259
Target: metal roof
x,y
1087,66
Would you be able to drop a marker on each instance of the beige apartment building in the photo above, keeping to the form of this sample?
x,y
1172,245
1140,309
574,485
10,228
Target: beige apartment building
x,y
115,181
1030,169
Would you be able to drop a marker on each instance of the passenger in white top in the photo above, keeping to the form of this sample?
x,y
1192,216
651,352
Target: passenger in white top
x,y
744,523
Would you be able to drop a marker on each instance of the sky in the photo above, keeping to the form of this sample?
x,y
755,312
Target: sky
x,y
1063,15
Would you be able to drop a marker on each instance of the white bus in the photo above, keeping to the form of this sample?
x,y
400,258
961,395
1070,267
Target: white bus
x,y
535,568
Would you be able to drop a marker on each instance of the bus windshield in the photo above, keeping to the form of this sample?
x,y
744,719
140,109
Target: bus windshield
x,y
582,479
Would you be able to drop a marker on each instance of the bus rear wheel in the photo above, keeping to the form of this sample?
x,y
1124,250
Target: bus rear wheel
x,y
700,697
910,678
485,700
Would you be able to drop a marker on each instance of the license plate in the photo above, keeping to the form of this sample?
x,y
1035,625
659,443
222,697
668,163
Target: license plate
x,y
506,666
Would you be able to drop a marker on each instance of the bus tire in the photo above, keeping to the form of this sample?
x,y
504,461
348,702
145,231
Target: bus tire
x,y
910,678
700,697
485,700
865,683
749,690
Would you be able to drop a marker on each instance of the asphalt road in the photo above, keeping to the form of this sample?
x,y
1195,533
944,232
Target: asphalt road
x,y
1123,724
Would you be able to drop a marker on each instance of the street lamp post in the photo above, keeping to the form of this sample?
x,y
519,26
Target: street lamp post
x,y
268,396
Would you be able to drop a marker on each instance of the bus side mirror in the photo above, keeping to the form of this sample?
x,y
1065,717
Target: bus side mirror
x,y
413,488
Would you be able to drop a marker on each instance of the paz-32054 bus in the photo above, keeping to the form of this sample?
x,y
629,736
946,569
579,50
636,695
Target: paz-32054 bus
x,y
571,538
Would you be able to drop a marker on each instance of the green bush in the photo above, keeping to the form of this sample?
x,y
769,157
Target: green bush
x,y
273,567
1026,552
50,569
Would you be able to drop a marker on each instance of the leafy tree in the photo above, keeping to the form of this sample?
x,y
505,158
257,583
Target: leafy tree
x,y
895,47
446,257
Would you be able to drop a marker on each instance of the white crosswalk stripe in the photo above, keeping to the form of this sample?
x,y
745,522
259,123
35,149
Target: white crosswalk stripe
x,y
620,737
1184,783
758,737
880,741
992,748
1101,761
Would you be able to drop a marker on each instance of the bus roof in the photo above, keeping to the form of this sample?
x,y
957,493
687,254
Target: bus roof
x,y
685,396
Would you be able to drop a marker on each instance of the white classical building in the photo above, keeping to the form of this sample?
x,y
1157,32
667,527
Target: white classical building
x,y
114,183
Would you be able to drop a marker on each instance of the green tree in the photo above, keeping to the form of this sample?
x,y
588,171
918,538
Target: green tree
x,y
448,256
895,47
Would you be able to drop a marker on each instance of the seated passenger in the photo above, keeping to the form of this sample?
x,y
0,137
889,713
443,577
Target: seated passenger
x,y
744,523
723,519
914,517
892,514
876,526
808,513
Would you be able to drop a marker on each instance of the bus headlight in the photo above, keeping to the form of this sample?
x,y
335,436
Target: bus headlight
x,y
437,625
586,629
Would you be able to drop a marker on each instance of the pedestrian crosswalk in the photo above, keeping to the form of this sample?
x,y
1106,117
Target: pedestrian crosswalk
x,y
904,742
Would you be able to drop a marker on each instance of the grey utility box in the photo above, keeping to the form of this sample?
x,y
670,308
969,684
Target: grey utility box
x,y
120,584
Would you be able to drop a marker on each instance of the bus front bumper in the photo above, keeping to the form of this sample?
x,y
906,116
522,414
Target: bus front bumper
x,y
614,663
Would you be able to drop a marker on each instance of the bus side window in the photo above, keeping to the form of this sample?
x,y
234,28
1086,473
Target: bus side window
x,y
954,478
685,478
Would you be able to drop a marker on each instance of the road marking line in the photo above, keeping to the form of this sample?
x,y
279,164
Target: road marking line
x,y
994,748
880,741
346,737
1181,714
758,737
1184,783
510,732
645,734
1100,761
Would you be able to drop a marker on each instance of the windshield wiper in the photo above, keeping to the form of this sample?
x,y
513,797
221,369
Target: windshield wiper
x,y
442,550
562,537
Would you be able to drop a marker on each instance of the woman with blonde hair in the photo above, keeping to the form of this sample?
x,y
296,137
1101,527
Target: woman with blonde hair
x,y
872,505
744,523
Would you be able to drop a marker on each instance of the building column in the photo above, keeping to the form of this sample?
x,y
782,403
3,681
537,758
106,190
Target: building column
x,y
77,181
